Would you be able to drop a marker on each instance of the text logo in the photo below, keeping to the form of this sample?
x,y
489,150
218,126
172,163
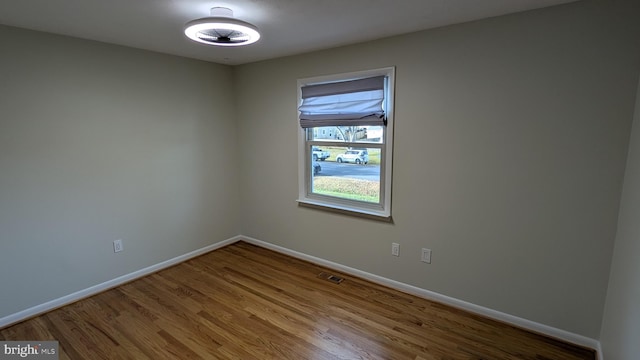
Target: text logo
x,y
29,350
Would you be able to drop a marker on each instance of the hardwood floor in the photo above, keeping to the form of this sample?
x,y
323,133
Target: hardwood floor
x,y
246,302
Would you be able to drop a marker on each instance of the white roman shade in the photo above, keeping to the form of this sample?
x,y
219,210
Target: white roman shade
x,y
346,103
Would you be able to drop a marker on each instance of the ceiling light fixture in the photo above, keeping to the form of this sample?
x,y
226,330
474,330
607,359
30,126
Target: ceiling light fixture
x,y
221,29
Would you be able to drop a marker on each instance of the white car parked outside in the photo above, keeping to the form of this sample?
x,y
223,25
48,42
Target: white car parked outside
x,y
354,156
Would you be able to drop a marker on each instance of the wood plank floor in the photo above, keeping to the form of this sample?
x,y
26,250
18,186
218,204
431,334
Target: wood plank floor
x,y
246,302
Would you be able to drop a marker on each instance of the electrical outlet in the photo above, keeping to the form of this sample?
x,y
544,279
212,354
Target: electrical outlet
x,y
117,246
395,249
426,256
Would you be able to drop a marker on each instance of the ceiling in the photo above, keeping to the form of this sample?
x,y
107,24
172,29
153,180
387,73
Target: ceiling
x,y
287,26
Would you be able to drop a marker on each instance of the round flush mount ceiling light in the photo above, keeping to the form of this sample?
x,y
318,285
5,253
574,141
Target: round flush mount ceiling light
x,y
221,29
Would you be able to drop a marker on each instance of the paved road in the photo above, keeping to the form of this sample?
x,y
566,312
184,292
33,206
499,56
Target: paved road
x,y
354,171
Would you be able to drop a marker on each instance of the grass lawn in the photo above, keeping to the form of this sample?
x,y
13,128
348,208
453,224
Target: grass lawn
x,y
356,189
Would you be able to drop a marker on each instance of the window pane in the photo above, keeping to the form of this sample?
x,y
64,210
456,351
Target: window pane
x,y
347,173
337,175
361,134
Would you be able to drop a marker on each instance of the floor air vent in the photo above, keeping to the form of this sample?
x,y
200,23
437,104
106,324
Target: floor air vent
x,y
330,277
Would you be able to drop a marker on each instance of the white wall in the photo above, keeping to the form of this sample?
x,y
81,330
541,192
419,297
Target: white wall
x,y
510,146
621,323
100,142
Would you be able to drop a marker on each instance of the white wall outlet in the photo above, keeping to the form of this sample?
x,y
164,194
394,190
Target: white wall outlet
x,y
395,249
426,256
117,246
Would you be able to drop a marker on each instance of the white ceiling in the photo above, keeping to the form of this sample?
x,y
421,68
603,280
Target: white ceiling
x,y
287,26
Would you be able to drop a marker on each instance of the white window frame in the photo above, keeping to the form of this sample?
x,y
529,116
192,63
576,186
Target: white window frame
x,y
380,211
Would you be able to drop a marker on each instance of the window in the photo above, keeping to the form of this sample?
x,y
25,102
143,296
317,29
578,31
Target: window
x,y
345,142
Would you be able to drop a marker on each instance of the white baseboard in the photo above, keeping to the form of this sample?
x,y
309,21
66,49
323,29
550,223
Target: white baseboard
x,y
93,290
599,355
430,295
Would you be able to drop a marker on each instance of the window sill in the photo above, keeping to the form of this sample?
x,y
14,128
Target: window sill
x,y
346,210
